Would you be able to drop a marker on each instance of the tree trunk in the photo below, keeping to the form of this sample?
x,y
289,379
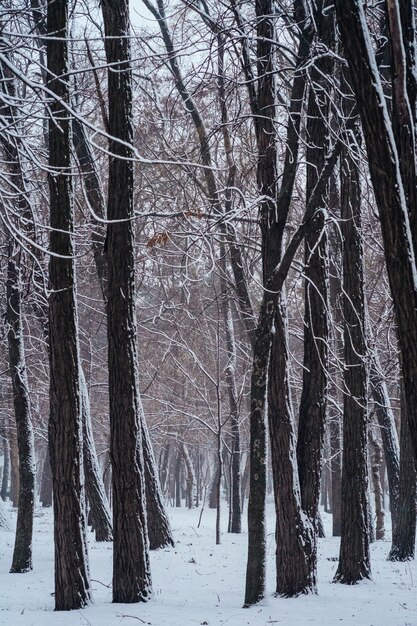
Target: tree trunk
x,y
6,468
391,166
404,532
296,552
190,477
45,495
72,584
131,571
159,528
22,554
14,469
376,465
386,421
354,563
94,486
312,413
4,518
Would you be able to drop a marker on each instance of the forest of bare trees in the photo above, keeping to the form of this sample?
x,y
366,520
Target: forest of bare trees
x,y
208,236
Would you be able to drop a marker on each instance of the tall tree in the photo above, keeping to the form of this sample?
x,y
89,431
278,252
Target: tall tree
x,y
131,569
22,555
391,157
72,583
354,562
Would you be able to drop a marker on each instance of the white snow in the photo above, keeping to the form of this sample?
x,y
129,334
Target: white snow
x,y
198,582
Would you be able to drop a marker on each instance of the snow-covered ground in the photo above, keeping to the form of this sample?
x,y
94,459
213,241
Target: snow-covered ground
x,y
198,582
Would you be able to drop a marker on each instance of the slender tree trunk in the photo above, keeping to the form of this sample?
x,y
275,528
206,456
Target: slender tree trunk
x,y
14,469
72,584
312,414
190,478
376,466
391,157
94,486
6,468
131,571
296,552
404,532
336,468
354,563
45,495
159,528
4,518
22,555
386,421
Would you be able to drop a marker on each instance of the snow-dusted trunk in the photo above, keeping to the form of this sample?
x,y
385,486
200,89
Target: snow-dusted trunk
x,y
376,467
394,195
274,211
94,486
4,517
386,421
404,532
354,563
45,495
72,583
312,412
235,521
190,477
131,570
296,553
6,467
159,528
22,554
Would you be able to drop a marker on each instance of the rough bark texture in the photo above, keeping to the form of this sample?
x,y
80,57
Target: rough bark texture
x,y
354,563
296,553
94,486
159,528
6,469
22,554
391,183
71,570
386,421
376,466
404,532
131,572
45,495
312,413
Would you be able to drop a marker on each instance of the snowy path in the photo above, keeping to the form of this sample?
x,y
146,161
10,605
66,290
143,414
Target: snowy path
x,y
200,583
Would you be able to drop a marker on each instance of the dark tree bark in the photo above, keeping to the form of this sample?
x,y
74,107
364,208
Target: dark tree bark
x,y
376,467
163,475
45,495
94,486
336,467
131,571
386,421
392,173
6,468
22,554
96,494
72,584
312,413
14,469
296,552
404,532
190,477
354,563
214,487
159,528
